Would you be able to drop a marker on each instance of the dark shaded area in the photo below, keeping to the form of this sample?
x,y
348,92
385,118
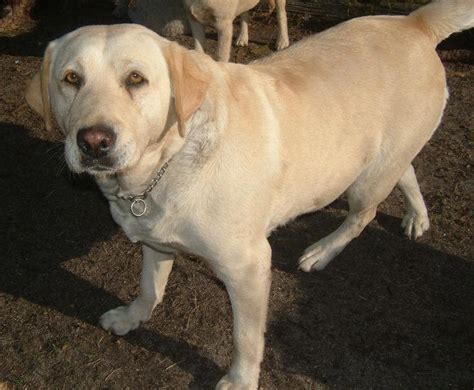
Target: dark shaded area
x,y
46,215
54,19
388,312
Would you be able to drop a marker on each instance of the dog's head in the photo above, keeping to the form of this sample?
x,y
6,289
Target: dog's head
x,y
113,91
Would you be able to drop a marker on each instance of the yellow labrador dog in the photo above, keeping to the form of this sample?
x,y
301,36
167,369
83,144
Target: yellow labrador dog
x,y
208,158
221,14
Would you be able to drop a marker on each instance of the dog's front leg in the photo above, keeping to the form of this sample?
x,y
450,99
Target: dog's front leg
x,y
155,271
247,281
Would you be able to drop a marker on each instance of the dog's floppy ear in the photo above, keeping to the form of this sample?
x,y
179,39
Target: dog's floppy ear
x,y
37,92
188,82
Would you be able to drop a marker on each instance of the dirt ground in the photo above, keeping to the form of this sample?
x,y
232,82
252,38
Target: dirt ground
x,y
387,313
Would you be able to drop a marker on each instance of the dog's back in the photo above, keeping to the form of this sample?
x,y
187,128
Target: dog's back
x,y
373,90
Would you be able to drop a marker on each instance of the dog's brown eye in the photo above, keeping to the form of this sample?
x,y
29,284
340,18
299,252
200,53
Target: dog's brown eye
x,y
73,79
135,79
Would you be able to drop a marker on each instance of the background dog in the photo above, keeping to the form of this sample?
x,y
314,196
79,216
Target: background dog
x,y
221,15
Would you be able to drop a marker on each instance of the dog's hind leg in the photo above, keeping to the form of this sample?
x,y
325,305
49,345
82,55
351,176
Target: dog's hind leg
x,y
155,272
317,256
415,221
364,195
243,38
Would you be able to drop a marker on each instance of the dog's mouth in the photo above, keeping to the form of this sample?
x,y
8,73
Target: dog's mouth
x,y
98,165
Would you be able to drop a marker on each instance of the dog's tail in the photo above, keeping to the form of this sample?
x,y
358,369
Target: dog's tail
x,y
441,18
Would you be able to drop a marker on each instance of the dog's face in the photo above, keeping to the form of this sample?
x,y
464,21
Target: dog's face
x,y
113,90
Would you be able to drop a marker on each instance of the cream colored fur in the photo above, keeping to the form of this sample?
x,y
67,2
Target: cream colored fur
x,y
251,147
221,14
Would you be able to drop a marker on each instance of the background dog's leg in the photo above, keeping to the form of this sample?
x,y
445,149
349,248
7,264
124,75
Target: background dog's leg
x,y
224,37
247,280
283,40
156,268
199,34
415,221
243,39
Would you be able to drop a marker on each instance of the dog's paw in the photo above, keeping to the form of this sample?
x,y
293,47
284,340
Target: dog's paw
x,y
242,40
119,321
317,257
227,384
415,224
224,384
282,42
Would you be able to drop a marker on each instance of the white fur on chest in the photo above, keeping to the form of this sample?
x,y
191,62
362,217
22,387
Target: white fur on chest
x,y
171,220
153,228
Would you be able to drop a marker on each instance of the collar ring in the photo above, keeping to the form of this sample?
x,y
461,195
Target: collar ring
x,y
138,207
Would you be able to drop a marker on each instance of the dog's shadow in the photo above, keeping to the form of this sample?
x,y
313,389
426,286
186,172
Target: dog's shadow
x,y
50,217
387,312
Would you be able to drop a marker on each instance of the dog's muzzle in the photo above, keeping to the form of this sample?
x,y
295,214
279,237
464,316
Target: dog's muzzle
x,y
96,144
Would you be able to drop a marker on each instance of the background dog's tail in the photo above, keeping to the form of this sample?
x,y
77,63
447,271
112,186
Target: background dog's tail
x,y
441,18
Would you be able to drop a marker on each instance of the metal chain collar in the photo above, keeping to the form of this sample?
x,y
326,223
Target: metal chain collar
x,y
138,205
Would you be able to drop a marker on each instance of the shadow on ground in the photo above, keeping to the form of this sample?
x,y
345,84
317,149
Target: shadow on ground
x,y
46,220
386,311
50,217
54,19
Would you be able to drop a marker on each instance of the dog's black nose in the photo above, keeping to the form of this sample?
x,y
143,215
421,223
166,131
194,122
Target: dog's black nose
x,y
96,141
